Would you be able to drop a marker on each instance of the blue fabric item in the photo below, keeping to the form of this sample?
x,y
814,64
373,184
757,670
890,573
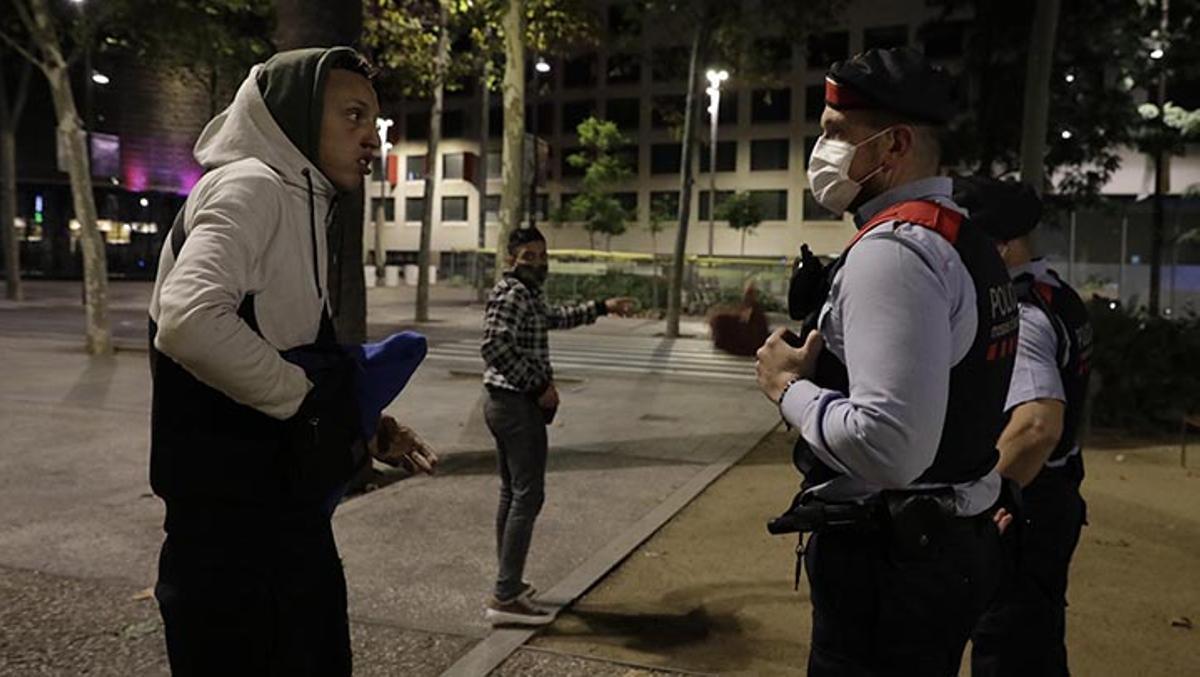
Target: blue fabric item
x,y
385,368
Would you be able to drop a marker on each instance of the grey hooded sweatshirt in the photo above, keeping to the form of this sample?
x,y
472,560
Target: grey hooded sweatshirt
x,y
249,233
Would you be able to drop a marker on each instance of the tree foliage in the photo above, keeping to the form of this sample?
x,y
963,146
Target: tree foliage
x,y
604,168
1102,70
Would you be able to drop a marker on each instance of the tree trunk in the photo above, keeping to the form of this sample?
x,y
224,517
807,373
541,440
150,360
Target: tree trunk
x,y
95,267
1037,94
10,116
513,153
435,138
481,179
1161,178
328,23
8,208
675,291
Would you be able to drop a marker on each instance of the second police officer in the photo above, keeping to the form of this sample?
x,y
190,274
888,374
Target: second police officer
x,y
1023,633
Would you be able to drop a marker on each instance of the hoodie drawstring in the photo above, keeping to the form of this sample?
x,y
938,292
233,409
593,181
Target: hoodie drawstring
x,y
312,222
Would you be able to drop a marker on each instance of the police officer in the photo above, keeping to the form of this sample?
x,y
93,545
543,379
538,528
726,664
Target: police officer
x,y
1023,632
898,387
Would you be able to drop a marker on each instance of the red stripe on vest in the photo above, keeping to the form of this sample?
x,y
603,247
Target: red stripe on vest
x,y
941,219
1045,291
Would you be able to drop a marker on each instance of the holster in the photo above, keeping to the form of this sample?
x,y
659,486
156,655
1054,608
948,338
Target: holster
x,y
918,521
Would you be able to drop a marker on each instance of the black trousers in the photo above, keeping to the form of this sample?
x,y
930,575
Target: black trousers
x,y
1024,632
880,611
254,601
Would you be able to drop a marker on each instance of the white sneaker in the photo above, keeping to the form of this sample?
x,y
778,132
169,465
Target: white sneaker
x,y
517,611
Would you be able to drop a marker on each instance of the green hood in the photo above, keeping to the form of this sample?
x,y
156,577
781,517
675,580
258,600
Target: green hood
x,y
292,84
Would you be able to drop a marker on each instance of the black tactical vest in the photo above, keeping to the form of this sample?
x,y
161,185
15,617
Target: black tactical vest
x,y
1073,333
978,384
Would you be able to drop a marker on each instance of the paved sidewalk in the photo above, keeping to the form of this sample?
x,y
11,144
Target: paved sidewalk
x,y
80,531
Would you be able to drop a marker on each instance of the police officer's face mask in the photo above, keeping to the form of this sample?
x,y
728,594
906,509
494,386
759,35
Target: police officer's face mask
x,y
829,172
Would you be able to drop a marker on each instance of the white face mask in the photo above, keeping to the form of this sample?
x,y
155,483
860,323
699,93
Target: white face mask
x,y
829,172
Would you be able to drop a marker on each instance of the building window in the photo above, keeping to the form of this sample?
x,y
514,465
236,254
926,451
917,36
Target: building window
x,y
722,197
454,124
454,165
495,122
726,156
826,48
414,168
541,208
814,103
495,164
771,203
625,113
667,111
728,115
629,203
624,69
416,126
771,105
664,158
545,118
768,154
623,21
813,211
669,64
575,112
774,55
580,72
491,207
414,209
454,208
569,171
810,142
664,204
943,40
629,155
389,208
885,37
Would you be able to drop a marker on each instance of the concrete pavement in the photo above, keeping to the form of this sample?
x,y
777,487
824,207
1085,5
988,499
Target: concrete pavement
x,y
76,514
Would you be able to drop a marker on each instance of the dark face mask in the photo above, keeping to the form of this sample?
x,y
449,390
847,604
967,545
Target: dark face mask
x,y
531,276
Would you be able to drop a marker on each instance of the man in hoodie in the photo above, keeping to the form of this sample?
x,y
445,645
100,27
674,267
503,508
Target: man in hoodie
x,y
255,427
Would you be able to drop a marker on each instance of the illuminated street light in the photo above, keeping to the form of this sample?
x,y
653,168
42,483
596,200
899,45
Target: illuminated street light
x,y
715,78
100,78
144,202
1157,53
1066,134
541,66
1070,77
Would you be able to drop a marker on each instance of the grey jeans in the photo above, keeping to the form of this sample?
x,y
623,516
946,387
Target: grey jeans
x,y
519,427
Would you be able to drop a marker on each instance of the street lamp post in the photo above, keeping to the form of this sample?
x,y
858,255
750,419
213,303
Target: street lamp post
x,y
382,125
715,78
540,67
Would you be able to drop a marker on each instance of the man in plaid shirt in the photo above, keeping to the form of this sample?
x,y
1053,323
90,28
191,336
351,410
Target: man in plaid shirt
x,y
521,401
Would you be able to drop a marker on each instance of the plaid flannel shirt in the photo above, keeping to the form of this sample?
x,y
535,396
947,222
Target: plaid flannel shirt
x,y
515,346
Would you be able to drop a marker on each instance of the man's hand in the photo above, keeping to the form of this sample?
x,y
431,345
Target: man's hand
x,y
1002,518
622,306
398,445
549,398
778,363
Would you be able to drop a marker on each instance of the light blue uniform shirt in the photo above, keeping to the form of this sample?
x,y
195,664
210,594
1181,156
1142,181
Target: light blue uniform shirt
x,y
900,318
1036,374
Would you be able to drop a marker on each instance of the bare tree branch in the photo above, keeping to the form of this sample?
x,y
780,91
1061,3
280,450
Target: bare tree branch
x,y
22,51
22,92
